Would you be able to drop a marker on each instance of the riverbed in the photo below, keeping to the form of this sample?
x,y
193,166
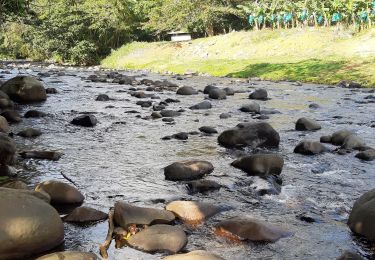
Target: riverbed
x,y
122,158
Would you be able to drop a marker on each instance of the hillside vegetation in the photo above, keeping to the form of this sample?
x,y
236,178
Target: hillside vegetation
x,y
320,55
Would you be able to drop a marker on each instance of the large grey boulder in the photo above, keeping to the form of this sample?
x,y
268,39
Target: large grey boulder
x,y
4,126
310,148
260,164
338,137
217,94
69,255
202,105
252,107
186,91
187,170
367,155
24,89
60,192
28,225
259,94
306,124
7,150
85,214
251,135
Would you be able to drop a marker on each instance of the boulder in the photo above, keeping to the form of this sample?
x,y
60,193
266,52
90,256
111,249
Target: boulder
x,y
208,130
217,94
102,97
8,171
169,113
259,94
186,91
7,150
361,218
350,256
69,255
42,155
127,214
159,238
18,185
260,164
306,124
229,91
34,113
51,91
202,105
368,155
29,132
4,126
326,139
266,185
314,106
194,255
208,88
187,170
243,228
85,214
192,212
250,134
156,115
60,192
202,186
251,108
28,225
310,148
353,142
225,116
85,120
24,89
349,84
11,116
6,103
339,137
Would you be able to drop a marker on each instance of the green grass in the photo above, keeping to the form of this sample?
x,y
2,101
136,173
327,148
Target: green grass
x,y
324,55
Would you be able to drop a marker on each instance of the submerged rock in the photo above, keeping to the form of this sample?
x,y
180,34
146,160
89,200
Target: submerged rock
x,y
310,148
7,150
159,238
169,113
259,94
85,120
361,218
368,155
60,192
24,89
127,214
260,164
242,228
34,113
251,108
4,126
306,124
187,170
250,134
29,225
202,105
208,130
194,255
186,91
42,155
202,186
30,132
102,97
11,116
69,255
192,211
85,214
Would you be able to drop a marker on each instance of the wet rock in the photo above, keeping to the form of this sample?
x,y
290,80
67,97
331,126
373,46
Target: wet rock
x,y
181,136
24,89
260,164
156,115
51,91
314,106
243,228
326,139
368,155
127,214
361,218
201,186
159,238
34,114
9,171
194,255
85,214
339,137
250,134
29,133
169,113
140,94
310,148
353,142
43,155
171,100
350,256
158,107
6,103
29,225
306,124
225,116
168,119
259,94
186,91
192,211
187,170
202,105
229,91
266,185
349,84
208,130
144,103
7,150
251,108
18,185
11,116
217,94
102,97
208,88
60,192
261,117
85,120
69,255
4,126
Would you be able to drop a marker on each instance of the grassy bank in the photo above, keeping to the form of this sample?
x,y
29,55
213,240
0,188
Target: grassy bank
x,y
320,55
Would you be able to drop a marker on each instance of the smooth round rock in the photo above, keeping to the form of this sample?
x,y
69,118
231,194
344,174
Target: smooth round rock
x,y
194,255
85,120
306,124
60,192
338,137
208,88
29,133
102,97
202,105
7,150
34,114
18,185
310,148
159,238
192,211
361,218
187,170
85,214
251,108
368,155
186,91
24,89
353,142
28,225
259,94
169,113
11,116
208,130
4,126
217,94
260,164
69,255
202,186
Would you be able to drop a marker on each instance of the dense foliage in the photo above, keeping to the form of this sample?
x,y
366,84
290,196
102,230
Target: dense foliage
x,y
83,31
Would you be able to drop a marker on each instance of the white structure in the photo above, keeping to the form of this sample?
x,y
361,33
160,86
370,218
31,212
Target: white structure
x,y
180,36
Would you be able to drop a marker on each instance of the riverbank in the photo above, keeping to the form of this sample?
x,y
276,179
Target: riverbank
x,y
316,55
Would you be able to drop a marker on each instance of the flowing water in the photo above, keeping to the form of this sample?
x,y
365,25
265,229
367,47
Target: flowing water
x,y
122,158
